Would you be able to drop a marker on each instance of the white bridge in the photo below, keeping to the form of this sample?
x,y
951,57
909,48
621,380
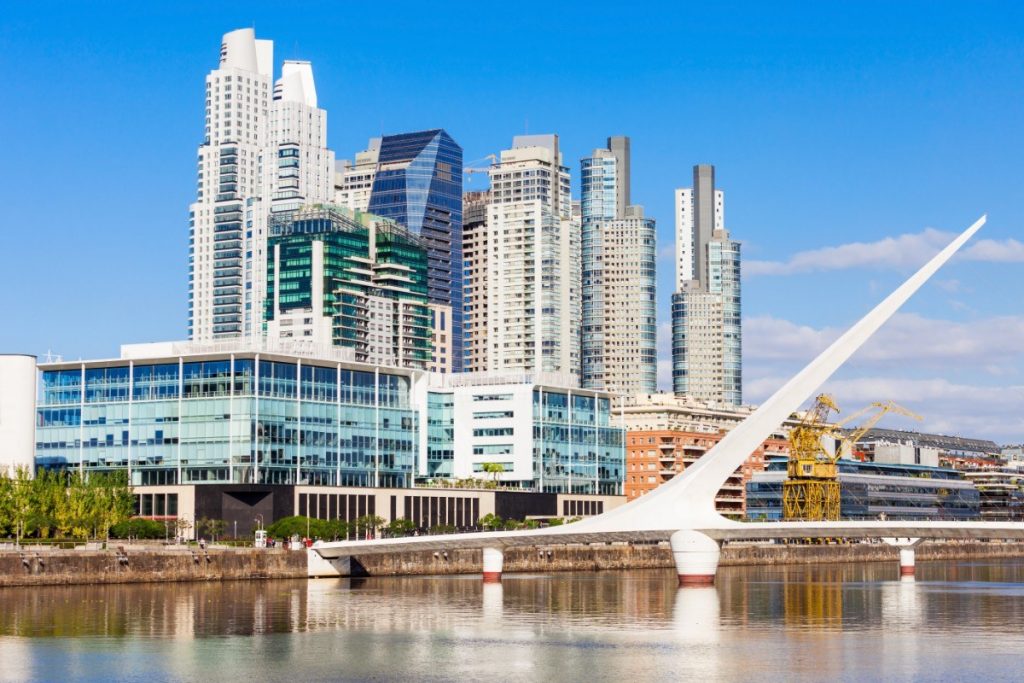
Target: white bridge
x,y
682,511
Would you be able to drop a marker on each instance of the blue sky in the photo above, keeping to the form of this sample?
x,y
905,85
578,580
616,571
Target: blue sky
x,y
830,124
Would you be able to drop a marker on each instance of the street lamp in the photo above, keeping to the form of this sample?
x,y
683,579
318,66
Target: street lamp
x,y
259,519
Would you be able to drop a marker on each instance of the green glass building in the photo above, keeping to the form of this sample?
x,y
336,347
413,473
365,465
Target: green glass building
x,y
351,279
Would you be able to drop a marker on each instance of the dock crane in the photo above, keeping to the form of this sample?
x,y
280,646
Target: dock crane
x,y
811,489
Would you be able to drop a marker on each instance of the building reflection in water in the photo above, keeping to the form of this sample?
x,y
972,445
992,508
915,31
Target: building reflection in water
x,y
802,617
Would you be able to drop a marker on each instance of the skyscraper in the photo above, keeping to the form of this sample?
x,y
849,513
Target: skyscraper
x,y
707,338
532,295
619,335
264,151
418,184
475,256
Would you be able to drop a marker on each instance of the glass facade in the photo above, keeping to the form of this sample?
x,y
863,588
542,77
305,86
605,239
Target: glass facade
x,y
871,491
374,282
418,184
241,420
575,448
440,434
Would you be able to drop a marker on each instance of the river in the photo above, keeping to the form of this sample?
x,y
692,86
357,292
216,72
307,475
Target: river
x,y
839,622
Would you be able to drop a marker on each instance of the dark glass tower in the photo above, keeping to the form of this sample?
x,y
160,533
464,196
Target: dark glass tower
x,y
418,184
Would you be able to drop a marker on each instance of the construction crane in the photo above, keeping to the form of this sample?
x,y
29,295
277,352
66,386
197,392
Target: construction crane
x,y
471,168
811,489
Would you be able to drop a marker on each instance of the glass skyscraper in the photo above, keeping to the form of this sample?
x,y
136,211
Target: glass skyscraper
x,y
418,184
619,335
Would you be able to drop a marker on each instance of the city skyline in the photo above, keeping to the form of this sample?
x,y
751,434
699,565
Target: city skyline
x,y
798,291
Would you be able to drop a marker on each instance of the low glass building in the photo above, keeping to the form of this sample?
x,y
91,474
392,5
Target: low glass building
x,y
871,491
180,415
290,412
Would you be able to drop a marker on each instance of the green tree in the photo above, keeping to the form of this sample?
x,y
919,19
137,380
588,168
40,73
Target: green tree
x,y
286,527
494,469
22,501
400,527
138,528
491,522
367,525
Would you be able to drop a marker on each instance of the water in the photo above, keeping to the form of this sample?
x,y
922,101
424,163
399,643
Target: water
x,y
842,622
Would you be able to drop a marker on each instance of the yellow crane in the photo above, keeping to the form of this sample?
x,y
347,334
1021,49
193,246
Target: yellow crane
x,y
811,489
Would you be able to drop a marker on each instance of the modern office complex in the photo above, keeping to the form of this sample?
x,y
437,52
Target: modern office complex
x,y
417,182
873,491
706,307
532,295
541,435
350,279
619,335
264,150
289,413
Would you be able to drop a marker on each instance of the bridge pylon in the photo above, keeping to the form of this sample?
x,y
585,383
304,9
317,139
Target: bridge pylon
x,y
696,556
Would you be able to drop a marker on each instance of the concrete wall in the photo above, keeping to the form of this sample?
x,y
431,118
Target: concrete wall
x,y
17,411
55,567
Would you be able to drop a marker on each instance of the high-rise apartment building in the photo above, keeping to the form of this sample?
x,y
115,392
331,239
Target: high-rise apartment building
x,y
532,295
353,181
475,256
417,182
707,337
619,334
350,279
264,150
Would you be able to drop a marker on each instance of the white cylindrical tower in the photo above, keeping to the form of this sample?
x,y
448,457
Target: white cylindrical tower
x,y
17,411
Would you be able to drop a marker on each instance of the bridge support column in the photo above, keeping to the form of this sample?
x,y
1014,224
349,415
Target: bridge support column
x,y
493,561
907,558
696,557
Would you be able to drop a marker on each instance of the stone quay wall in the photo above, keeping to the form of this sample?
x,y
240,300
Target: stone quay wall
x,y
616,556
139,564
32,567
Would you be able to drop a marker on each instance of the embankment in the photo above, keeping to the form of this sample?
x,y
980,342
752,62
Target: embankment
x,y
139,564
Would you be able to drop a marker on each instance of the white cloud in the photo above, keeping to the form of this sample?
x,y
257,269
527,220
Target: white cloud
x,y
996,251
904,252
907,338
985,412
667,253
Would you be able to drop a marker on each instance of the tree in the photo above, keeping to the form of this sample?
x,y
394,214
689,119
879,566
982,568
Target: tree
x,y
494,469
367,525
400,527
21,500
491,522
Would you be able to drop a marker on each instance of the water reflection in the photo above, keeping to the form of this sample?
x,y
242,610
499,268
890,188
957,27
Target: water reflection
x,y
818,621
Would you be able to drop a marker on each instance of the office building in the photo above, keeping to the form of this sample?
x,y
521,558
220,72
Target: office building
x,y
543,436
871,491
532,293
619,334
706,307
349,279
285,412
475,258
264,150
417,183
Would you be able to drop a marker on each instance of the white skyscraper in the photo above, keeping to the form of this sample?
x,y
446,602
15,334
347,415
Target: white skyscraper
x,y
533,262
707,336
686,225
619,335
264,150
